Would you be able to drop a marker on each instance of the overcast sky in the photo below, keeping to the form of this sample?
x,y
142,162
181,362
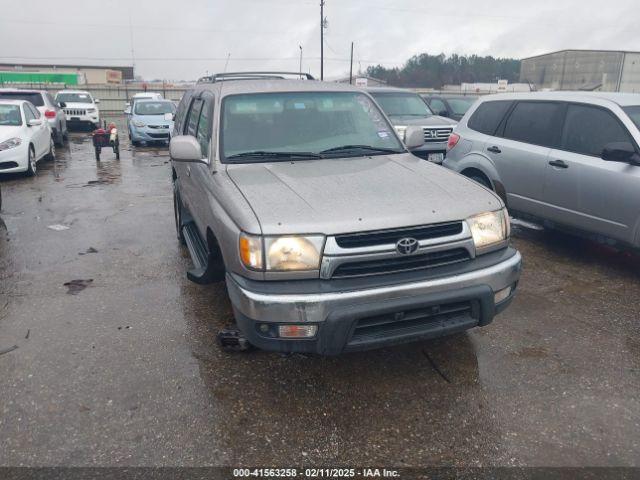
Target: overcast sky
x,y
176,39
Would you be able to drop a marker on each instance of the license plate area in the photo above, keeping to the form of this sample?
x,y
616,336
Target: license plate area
x,y
435,157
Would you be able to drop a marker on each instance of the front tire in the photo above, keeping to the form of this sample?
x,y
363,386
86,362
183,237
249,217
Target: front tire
x,y
32,167
59,138
52,151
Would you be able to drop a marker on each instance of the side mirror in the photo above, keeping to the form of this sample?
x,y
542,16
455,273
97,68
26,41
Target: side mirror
x,y
185,148
127,109
96,101
62,104
443,113
34,122
414,137
623,152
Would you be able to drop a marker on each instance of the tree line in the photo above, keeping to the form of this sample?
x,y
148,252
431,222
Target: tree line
x,y
435,71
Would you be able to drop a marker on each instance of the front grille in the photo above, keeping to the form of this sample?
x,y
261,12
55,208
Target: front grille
x,y
402,263
391,237
158,126
444,318
159,135
75,112
7,165
437,135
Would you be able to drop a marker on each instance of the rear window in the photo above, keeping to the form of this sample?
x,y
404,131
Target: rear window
x,y
488,116
461,105
536,123
33,97
634,114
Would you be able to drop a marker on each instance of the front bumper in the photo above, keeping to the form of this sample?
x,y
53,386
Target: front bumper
x,y
428,148
146,134
15,159
91,120
343,313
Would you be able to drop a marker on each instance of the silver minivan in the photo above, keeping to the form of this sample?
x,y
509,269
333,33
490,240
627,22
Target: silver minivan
x,y
570,159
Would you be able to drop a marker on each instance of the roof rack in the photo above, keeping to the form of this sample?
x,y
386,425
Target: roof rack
x,y
223,77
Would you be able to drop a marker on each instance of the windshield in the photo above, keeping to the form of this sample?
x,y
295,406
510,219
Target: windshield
x,y
306,124
10,116
74,98
634,114
402,104
33,97
461,105
153,108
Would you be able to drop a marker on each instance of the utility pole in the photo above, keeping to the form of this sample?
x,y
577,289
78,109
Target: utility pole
x,y
322,24
351,67
300,59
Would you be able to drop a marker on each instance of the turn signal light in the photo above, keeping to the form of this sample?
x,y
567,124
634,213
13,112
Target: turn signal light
x,y
454,138
297,331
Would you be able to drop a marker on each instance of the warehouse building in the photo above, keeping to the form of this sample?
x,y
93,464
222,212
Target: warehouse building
x,y
592,70
65,74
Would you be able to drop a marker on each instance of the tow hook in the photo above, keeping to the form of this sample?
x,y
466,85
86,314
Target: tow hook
x,y
232,339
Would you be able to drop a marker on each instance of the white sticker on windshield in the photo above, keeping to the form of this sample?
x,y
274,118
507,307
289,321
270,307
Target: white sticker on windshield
x,y
383,134
299,106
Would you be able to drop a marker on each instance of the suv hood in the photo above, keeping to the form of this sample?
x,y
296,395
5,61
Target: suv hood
x,y
430,121
79,105
333,196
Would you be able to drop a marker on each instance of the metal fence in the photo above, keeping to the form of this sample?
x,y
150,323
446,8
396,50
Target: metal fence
x,y
112,97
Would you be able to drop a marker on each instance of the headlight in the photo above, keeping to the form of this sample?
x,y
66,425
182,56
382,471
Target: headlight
x,y
281,254
285,254
138,124
401,131
489,229
11,143
91,110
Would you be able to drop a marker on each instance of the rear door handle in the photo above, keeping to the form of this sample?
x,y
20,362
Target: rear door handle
x,y
494,150
188,170
558,164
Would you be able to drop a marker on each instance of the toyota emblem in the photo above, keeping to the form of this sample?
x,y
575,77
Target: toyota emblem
x,y
407,246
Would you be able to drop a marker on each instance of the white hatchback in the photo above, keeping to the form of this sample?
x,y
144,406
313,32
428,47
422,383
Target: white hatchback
x,y
25,137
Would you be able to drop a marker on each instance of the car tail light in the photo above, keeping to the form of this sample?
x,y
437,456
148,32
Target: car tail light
x,y
454,138
50,114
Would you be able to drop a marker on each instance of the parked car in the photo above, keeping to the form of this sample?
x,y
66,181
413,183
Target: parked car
x,y
451,106
80,109
136,97
46,105
151,121
406,109
330,235
25,137
568,159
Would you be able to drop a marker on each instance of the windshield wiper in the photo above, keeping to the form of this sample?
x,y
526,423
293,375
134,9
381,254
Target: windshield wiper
x,y
346,148
267,154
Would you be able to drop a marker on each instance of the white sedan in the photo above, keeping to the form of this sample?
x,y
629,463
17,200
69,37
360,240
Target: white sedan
x,y
25,137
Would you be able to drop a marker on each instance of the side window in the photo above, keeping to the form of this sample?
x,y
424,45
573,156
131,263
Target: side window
x,y
191,127
588,130
488,116
28,113
34,110
437,106
181,112
536,123
204,125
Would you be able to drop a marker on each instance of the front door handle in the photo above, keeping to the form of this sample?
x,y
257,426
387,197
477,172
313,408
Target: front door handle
x,y
188,170
494,150
558,164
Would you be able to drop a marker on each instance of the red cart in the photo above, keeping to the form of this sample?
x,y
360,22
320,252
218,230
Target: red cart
x,y
106,138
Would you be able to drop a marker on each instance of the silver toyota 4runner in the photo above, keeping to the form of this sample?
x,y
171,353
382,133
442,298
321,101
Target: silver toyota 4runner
x,y
330,235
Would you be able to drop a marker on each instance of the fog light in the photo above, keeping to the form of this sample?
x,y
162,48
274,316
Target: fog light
x,y
502,295
297,331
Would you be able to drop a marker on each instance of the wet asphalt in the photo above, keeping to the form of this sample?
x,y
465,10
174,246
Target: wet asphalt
x,y
117,364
